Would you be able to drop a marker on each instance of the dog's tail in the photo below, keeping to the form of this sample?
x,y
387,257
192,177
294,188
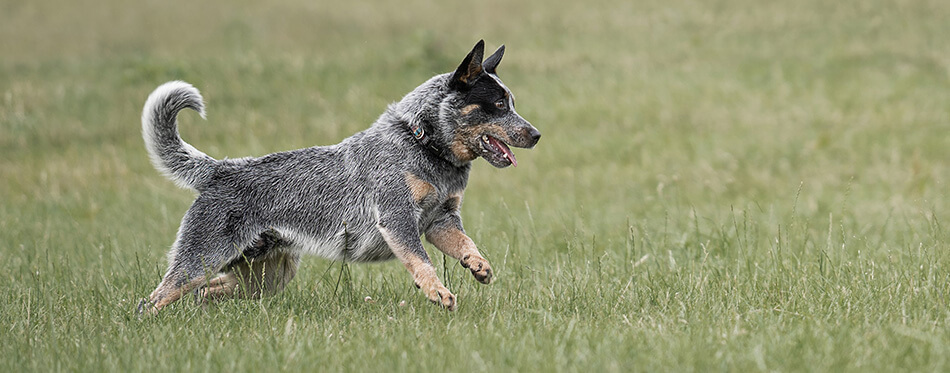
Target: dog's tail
x,y
179,161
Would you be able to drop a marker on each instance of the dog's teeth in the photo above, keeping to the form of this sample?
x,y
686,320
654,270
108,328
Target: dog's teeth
x,y
485,138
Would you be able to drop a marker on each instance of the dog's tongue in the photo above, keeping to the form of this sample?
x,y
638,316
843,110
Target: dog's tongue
x,y
504,148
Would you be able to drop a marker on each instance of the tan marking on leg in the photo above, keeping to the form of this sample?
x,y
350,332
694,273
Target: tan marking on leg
x,y
469,108
456,244
452,242
423,274
222,279
221,287
418,187
167,293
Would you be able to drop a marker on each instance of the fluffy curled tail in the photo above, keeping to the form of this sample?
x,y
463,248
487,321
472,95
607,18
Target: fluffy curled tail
x,y
179,161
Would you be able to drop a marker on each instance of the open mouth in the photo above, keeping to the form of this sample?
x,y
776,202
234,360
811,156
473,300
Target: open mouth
x,y
497,152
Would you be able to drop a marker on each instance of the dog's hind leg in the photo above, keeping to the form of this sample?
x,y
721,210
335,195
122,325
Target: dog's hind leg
x,y
263,268
220,287
207,241
186,273
168,291
253,278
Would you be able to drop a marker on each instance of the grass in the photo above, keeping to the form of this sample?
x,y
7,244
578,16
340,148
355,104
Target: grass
x,y
733,185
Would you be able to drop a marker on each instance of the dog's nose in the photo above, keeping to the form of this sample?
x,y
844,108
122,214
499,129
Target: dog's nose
x,y
535,135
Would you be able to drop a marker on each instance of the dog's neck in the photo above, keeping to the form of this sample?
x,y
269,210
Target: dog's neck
x,y
420,112
418,130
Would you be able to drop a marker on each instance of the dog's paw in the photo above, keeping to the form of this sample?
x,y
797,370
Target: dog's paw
x,y
442,297
146,308
479,267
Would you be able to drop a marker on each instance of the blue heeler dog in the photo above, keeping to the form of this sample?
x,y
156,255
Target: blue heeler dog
x,y
368,198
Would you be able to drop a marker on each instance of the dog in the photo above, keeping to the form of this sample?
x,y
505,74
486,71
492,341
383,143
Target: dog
x,y
369,198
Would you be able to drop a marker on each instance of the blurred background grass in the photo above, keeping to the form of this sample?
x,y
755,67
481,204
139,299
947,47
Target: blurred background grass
x,y
721,185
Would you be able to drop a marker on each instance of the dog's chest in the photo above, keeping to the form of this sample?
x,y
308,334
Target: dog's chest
x,y
431,210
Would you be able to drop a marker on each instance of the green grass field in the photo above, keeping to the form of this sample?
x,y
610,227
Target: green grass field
x,y
730,185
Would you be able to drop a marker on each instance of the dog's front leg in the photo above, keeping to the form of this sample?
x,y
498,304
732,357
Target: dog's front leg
x,y
455,243
402,236
447,234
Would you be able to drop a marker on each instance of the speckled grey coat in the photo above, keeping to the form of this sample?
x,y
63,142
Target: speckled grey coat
x,y
367,198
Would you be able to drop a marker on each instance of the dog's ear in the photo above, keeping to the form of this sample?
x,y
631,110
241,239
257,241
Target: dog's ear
x,y
470,68
492,61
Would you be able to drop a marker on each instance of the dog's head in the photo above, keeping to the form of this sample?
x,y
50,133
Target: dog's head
x,y
486,122
469,113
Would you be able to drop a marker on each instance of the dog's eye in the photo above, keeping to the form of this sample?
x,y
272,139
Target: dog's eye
x,y
501,104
